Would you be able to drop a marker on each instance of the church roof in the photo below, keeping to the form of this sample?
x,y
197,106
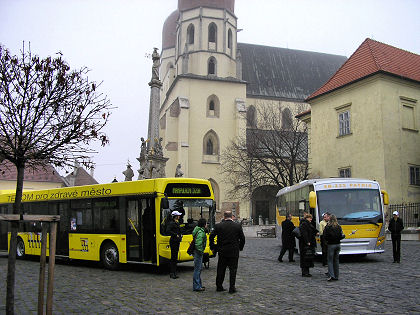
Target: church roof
x,y
290,74
370,58
42,174
79,177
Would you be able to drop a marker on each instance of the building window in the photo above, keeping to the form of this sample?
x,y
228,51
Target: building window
x,y
190,34
286,119
213,106
212,66
211,147
415,175
344,172
212,33
251,117
230,38
344,123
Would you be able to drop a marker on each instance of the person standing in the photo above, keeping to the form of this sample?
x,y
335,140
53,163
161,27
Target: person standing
x,y
174,231
333,235
307,244
287,238
200,244
230,240
324,247
395,226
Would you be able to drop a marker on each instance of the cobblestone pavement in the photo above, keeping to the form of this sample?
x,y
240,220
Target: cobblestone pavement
x,y
369,285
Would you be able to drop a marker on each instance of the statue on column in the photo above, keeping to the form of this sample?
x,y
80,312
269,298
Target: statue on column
x,y
178,172
156,65
128,173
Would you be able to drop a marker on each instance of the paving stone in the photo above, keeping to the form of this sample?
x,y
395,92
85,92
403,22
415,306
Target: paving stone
x,y
367,285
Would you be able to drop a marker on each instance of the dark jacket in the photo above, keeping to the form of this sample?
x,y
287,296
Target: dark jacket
x,y
333,234
174,231
396,226
287,238
307,252
230,238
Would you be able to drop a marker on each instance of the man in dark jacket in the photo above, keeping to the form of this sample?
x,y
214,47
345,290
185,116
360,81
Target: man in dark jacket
x,y
287,238
395,227
174,230
230,240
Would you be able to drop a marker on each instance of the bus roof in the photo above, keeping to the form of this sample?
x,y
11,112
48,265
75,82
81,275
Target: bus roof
x,y
146,186
323,181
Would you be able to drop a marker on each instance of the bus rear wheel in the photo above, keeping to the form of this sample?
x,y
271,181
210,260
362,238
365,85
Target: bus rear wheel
x,y
110,257
20,248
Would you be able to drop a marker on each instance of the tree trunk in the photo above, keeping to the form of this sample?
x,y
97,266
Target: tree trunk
x,y
11,264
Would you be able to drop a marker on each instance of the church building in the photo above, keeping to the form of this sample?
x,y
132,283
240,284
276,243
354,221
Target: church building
x,y
212,85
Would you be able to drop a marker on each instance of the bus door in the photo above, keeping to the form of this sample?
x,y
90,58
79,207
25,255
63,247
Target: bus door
x,y
141,238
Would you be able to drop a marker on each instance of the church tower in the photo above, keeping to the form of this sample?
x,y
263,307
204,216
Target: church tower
x,y
202,96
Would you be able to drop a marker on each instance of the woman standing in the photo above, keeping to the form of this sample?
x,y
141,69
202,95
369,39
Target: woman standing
x,y
333,235
174,231
200,244
307,244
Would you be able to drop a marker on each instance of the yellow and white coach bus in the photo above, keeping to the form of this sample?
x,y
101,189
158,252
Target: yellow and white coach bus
x,y
114,223
358,205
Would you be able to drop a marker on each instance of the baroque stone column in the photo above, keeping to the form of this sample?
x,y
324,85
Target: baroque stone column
x,y
152,161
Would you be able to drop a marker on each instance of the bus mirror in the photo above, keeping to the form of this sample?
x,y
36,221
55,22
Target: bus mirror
x,y
312,200
165,203
385,197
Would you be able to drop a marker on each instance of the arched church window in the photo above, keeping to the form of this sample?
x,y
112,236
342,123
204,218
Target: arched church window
x,y
190,34
211,105
211,147
286,119
230,38
212,32
212,66
251,119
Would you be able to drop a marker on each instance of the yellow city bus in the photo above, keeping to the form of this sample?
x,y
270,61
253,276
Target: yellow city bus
x,y
114,223
358,205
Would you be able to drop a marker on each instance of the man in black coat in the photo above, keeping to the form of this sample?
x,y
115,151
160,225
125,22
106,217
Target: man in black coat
x,y
230,240
395,226
287,238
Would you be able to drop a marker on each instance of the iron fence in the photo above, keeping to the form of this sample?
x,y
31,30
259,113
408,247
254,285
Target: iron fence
x,y
409,213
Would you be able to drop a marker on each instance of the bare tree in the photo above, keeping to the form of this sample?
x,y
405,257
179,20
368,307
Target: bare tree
x,y
48,115
272,153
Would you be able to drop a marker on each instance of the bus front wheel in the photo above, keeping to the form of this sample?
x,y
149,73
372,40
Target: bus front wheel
x,y
20,248
110,256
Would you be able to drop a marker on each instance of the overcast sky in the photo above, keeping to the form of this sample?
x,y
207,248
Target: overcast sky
x,y
112,38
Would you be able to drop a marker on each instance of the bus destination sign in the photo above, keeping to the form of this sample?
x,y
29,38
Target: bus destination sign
x,y
187,190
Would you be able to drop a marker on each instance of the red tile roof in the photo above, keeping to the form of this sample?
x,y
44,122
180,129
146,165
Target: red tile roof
x,y
373,57
48,174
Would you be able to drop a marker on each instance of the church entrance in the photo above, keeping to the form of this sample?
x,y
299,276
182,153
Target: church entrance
x,y
264,204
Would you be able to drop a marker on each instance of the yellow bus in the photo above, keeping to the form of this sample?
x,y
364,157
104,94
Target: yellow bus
x,y
358,205
114,223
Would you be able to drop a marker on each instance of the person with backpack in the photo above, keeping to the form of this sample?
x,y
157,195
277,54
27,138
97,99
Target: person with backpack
x,y
333,234
200,236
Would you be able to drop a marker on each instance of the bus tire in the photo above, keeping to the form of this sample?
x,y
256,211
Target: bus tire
x,y
20,248
110,256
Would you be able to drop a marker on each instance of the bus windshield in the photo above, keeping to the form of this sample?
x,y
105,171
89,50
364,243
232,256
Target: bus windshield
x,y
192,210
351,205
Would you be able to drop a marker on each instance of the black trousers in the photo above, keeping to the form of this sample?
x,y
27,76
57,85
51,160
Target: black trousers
x,y
174,256
396,246
283,251
222,263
